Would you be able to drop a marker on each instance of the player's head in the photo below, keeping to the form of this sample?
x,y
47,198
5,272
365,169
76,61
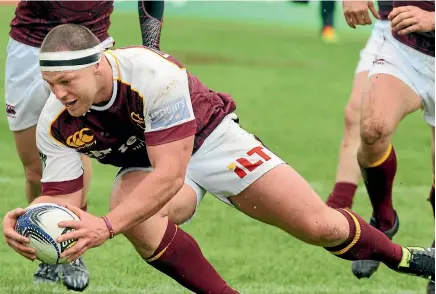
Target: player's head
x,y
70,62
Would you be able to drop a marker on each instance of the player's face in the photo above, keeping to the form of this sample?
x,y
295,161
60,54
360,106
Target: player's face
x,y
76,89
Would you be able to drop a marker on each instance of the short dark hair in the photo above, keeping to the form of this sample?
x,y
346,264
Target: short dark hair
x,y
71,37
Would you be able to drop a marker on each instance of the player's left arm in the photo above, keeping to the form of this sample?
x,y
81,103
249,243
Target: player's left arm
x,y
169,135
409,19
169,162
150,19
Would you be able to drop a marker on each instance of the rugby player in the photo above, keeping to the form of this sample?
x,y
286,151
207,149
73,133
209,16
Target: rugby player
x,y
400,82
173,139
26,92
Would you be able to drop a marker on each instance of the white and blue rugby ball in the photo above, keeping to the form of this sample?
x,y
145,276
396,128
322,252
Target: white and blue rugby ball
x,y
40,225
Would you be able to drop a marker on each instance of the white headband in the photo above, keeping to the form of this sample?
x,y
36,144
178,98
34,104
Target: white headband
x,y
69,60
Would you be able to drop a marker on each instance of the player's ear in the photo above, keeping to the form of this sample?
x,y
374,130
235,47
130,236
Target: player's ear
x,y
97,68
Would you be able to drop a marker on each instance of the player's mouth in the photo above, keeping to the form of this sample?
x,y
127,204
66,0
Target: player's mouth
x,y
70,103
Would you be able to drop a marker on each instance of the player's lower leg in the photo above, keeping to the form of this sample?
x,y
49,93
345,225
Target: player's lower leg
x,y
378,177
431,284
328,33
348,171
282,198
364,242
179,256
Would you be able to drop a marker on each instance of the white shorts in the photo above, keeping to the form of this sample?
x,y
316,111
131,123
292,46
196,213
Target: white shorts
x,y
414,68
373,45
25,90
229,161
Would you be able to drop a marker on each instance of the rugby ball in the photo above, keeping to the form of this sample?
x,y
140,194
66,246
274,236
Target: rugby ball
x,y
40,224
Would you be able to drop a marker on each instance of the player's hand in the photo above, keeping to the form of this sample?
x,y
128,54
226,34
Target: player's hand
x,y
90,231
409,19
14,239
356,12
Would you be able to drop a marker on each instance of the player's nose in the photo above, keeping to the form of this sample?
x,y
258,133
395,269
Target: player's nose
x,y
60,92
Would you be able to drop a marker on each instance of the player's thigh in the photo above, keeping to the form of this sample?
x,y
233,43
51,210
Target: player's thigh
x,y
364,65
386,101
71,199
179,209
240,171
87,175
25,90
283,198
393,89
415,69
147,236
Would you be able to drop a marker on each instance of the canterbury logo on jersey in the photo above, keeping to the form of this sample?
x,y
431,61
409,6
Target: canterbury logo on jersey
x,y
138,120
81,138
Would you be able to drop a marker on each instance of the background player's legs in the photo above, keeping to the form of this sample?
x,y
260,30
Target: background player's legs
x,y
75,276
430,286
431,196
166,247
327,9
282,198
348,172
385,103
25,142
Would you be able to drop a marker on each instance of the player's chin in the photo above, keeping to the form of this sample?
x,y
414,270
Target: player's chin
x,y
75,113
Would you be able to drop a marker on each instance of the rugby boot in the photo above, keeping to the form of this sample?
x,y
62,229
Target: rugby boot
x,y
75,275
365,268
328,35
418,261
46,273
430,285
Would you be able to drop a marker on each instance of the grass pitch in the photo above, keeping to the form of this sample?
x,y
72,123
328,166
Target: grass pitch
x,y
291,91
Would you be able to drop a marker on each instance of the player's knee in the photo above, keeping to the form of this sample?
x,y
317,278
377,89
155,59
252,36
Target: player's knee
x,y
141,244
326,236
373,130
352,116
147,236
325,233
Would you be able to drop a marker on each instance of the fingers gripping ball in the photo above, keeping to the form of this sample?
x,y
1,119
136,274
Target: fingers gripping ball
x,y
40,225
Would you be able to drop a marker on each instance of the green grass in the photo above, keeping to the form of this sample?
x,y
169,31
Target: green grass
x,y
291,90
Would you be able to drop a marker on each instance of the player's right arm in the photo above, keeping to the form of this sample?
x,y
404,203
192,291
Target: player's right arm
x,y
356,12
62,183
